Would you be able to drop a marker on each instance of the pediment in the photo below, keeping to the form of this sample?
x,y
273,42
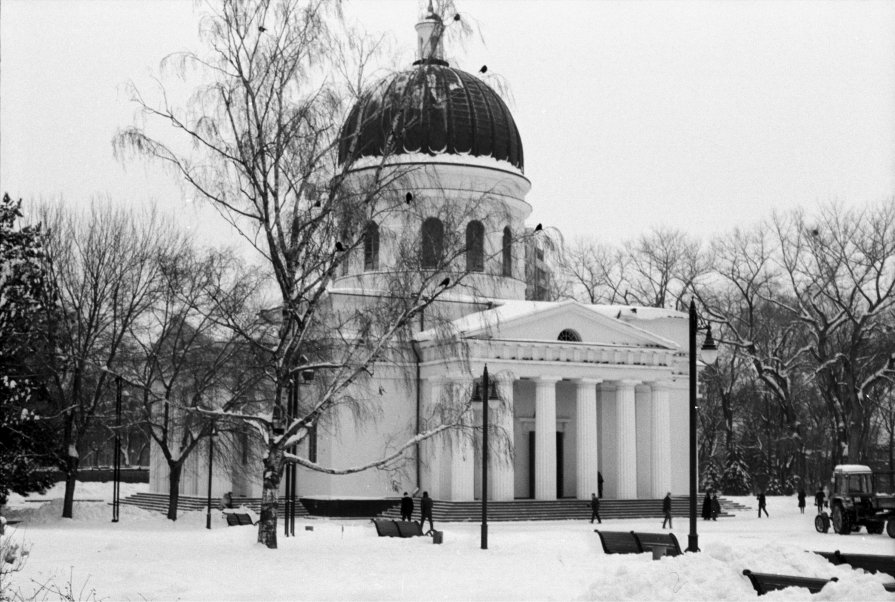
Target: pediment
x,y
543,322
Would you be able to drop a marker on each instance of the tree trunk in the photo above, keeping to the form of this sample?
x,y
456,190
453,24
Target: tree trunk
x,y
267,526
175,468
71,479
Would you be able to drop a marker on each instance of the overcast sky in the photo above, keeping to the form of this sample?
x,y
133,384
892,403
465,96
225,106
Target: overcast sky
x,y
695,115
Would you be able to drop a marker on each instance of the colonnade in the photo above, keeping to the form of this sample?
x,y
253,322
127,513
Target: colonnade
x,y
450,459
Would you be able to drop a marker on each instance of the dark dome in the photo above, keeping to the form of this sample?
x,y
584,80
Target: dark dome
x,y
431,109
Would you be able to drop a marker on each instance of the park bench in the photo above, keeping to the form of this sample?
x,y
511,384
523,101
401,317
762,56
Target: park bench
x,y
872,563
666,543
766,582
235,519
408,528
619,542
397,528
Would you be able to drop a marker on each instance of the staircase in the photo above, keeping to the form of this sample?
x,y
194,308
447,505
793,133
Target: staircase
x,y
158,502
565,509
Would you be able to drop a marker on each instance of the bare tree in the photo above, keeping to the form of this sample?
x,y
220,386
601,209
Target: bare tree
x,y
188,357
104,275
840,275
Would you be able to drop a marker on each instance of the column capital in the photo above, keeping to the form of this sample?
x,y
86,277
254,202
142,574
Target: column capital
x,y
587,381
658,384
546,379
627,383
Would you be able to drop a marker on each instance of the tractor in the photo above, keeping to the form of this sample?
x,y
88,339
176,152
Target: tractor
x,y
858,498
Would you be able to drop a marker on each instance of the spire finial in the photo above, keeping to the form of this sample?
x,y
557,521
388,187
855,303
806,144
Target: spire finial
x,y
429,32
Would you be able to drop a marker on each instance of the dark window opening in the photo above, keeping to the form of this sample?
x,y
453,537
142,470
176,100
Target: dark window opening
x,y
507,252
371,247
475,247
569,335
433,243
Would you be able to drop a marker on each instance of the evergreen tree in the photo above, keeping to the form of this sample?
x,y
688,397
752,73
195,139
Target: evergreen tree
x,y
25,436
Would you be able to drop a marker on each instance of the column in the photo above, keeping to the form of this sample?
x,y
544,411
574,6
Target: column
x,y
660,440
588,449
626,440
433,447
462,451
545,438
502,482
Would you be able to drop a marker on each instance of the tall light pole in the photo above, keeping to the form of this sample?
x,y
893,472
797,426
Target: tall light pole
x,y
708,354
210,471
483,394
116,467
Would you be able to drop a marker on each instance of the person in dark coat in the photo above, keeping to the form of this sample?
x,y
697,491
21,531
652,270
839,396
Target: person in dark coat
x,y
716,506
406,507
762,504
666,510
426,504
595,508
599,484
819,500
707,506
802,500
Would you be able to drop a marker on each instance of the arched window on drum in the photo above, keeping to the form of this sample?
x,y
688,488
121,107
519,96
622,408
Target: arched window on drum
x,y
371,247
507,252
475,247
432,242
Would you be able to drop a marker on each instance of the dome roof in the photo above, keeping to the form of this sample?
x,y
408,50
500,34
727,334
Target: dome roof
x,y
431,109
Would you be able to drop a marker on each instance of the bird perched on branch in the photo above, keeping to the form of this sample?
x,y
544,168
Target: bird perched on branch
x,y
445,282
538,228
408,197
339,247
484,69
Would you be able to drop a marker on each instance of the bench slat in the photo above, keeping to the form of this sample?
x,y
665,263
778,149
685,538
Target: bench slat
x,y
872,563
765,582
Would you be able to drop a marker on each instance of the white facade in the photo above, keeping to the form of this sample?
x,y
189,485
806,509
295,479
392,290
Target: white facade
x,y
613,403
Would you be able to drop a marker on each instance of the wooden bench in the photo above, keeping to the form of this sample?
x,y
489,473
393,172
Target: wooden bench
x,y
235,519
766,582
386,528
667,541
409,528
619,542
872,563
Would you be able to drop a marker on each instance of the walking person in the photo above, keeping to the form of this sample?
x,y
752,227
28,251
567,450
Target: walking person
x,y
819,500
406,507
802,500
426,504
716,506
666,510
762,504
707,506
595,509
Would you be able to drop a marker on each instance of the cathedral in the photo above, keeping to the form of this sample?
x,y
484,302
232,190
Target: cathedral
x,y
587,397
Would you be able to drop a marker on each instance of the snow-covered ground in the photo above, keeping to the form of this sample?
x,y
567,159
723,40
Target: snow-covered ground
x,y
146,557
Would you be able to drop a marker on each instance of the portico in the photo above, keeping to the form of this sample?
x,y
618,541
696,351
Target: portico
x,y
568,410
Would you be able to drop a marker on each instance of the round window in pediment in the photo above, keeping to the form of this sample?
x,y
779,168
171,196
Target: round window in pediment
x,y
569,335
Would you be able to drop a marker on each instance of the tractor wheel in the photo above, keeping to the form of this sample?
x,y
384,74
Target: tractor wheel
x,y
841,523
890,528
822,523
875,528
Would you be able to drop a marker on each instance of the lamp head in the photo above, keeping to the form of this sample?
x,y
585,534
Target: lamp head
x,y
709,351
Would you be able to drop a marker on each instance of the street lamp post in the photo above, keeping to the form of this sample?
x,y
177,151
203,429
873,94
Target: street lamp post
x,y
483,394
709,353
210,470
116,467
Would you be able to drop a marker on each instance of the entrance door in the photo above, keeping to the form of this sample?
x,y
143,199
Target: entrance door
x,y
559,464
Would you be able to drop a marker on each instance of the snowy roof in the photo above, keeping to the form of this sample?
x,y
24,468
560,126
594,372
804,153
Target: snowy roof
x,y
511,310
852,468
